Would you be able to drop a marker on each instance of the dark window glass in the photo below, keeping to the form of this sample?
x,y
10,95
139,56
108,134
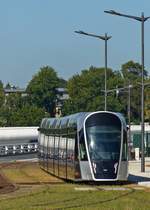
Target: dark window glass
x,y
103,137
83,153
125,146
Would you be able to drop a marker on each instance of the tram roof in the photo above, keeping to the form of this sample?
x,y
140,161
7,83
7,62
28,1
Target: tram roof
x,y
74,120
62,122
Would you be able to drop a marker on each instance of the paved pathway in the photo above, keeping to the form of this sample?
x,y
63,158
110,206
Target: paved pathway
x,y
135,174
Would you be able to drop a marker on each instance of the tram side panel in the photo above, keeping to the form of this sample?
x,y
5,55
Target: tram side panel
x,y
70,158
56,149
57,152
84,163
56,155
45,152
123,170
71,154
61,152
66,156
48,154
51,154
62,157
41,150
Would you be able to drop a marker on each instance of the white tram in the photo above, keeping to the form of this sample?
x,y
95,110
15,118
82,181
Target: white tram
x,y
85,146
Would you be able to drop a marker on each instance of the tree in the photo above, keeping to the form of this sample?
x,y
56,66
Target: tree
x,y
19,112
131,72
41,89
14,101
62,83
86,90
2,95
147,101
27,116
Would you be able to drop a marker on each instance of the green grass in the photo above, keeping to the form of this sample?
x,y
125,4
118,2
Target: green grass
x,y
64,196
27,173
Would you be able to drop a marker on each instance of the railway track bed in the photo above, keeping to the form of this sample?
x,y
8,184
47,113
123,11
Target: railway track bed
x,y
23,185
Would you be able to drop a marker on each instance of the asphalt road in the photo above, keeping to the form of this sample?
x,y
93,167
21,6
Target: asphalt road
x,y
16,141
18,157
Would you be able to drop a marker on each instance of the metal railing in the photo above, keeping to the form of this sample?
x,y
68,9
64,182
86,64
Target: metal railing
x,y
16,149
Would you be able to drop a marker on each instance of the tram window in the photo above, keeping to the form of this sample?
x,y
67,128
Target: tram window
x,y
124,149
51,147
83,153
104,142
70,150
62,148
56,147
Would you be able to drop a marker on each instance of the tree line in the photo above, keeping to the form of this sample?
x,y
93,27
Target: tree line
x,y
86,93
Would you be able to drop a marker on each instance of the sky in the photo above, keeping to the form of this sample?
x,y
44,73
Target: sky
x,y
36,33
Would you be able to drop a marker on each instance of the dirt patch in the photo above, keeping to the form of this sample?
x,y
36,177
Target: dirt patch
x,y
5,185
16,174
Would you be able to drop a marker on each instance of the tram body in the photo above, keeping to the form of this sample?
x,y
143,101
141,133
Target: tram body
x,y
85,146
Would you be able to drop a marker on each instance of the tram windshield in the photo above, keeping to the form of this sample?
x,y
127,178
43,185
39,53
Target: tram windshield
x,y
103,140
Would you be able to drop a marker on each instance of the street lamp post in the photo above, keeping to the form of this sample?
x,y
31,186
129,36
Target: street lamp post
x,y
142,19
105,38
129,119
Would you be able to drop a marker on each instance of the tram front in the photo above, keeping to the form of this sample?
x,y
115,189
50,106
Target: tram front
x,y
103,135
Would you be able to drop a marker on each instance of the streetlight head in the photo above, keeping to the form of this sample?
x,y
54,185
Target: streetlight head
x,y
146,18
80,32
112,12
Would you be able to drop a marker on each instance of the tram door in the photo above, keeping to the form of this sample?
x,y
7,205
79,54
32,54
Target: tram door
x,y
70,158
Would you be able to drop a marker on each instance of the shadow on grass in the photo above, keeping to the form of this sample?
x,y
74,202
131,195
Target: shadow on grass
x,y
132,179
99,183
